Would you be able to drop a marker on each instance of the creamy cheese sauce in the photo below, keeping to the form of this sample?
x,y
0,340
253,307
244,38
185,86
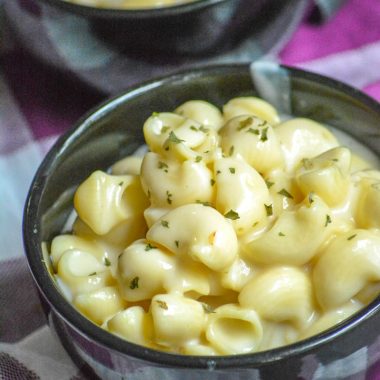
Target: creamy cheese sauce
x,y
236,231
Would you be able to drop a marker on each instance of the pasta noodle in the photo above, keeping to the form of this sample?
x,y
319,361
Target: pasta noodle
x,y
235,232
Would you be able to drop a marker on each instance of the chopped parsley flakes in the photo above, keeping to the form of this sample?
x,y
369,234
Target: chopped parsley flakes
x,y
233,215
149,246
165,223
169,197
245,123
285,193
134,284
107,262
162,304
269,209
174,139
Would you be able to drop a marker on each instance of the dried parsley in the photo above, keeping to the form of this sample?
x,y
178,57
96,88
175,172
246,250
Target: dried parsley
x,y
165,223
163,165
203,129
162,304
107,262
169,197
245,123
264,134
328,220
269,209
233,215
149,246
285,193
134,284
253,131
174,139
269,183
204,203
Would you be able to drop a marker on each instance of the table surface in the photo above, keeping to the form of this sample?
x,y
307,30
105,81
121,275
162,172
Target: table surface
x,y
38,103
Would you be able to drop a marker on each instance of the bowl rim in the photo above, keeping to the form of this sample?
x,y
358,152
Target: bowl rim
x,y
139,13
66,311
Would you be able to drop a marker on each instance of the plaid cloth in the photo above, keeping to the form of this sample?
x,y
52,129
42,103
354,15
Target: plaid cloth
x,y
38,103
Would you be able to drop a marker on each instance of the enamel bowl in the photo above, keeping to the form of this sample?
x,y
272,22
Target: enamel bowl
x,y
111,49
113,130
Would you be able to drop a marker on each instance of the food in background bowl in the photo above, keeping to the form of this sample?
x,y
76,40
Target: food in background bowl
x,y
129,4
113,131
236,232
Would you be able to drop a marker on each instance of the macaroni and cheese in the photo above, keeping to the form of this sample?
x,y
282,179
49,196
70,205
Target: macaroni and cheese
x,y
237,231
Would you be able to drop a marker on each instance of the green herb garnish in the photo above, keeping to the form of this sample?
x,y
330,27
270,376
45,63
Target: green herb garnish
x,y
253,131
245,123
232,170
285,193
107,262
162,304
264,134
149,246
165,223
328,220
164,129
174,139
163,165
269,183
207,308
134,284
204,203
233,215
169,197
269,209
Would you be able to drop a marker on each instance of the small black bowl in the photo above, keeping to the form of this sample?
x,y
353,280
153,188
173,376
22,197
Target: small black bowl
x,y
112,48
112,131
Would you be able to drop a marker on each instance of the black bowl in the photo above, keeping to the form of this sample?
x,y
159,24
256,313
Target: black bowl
x,y
111,48
112,131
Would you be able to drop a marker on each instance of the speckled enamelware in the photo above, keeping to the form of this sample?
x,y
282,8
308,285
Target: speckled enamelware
x,y
112,131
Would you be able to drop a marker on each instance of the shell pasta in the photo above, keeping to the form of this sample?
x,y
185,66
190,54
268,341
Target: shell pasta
x,y
238,231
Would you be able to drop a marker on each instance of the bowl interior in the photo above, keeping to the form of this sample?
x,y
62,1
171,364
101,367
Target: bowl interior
x,y
114,130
